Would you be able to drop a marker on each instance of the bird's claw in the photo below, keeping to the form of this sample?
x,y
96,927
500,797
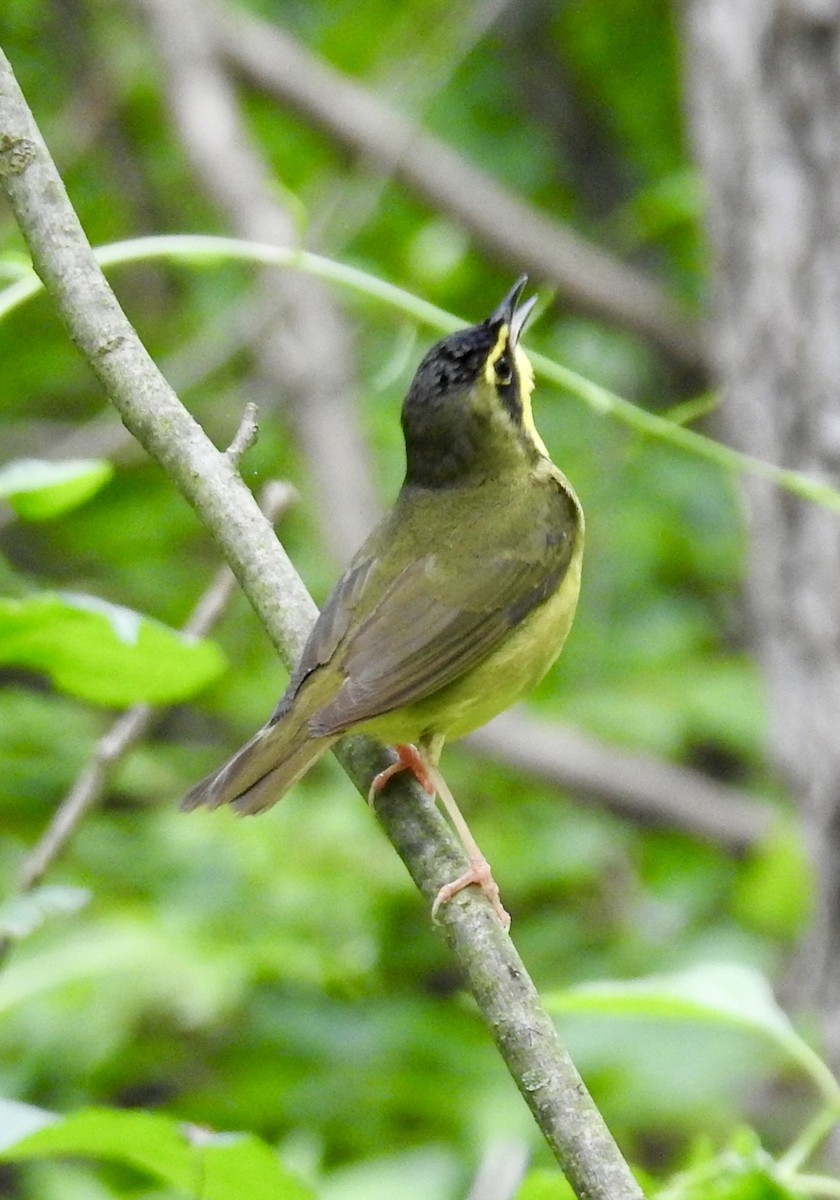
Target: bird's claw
x,y
408,759
479,873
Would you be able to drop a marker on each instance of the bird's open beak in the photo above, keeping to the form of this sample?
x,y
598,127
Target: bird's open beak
x,y
511,312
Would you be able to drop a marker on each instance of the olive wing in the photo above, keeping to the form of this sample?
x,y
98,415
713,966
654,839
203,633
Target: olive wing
x,y
331,626
435,621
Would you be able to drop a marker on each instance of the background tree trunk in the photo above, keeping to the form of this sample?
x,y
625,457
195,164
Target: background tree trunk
x,y
764,101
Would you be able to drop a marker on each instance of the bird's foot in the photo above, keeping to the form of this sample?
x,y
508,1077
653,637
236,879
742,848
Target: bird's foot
x,y
408,759
478,872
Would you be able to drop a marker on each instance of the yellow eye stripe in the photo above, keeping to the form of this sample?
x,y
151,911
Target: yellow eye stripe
x,y
496,353
525,373
526,386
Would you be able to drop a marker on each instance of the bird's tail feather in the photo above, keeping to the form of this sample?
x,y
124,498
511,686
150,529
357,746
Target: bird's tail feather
x,y
262,771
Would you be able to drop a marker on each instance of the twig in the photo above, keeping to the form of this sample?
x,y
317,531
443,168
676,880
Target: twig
x,y
132,725
245,436
492,969
585,275
635,785
103,436
85,793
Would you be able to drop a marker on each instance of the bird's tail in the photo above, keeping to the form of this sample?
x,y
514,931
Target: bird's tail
x,y
262,770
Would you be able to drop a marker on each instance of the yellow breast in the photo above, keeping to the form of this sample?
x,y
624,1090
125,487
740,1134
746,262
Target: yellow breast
x,y
498,681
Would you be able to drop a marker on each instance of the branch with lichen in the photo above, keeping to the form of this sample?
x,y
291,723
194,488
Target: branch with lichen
x,y
493,971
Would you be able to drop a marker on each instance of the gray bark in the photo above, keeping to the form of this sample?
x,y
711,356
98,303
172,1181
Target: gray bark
x,y
764,106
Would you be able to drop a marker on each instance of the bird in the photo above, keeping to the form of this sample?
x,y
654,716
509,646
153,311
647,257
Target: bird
x,y
455,606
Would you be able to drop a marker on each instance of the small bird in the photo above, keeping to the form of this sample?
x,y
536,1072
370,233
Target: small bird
x,y
455,606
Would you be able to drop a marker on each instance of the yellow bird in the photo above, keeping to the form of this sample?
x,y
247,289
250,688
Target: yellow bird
x,y
455,606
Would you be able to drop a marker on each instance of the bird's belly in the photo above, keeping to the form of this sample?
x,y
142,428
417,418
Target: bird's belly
x,y
502,678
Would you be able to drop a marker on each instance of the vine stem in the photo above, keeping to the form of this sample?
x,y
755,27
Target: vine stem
x,y
201,249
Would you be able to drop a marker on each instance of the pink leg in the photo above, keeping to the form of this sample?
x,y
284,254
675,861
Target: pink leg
x,y
408,759
423,767
478,871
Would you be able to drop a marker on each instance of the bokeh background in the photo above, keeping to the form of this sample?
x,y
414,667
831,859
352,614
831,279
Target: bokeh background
x,y
281,975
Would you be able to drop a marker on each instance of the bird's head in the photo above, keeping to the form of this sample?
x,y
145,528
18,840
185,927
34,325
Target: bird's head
x,y
468,414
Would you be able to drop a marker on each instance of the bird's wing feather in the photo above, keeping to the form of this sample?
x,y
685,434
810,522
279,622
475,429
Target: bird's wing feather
x,y
330,627
433,623
417,642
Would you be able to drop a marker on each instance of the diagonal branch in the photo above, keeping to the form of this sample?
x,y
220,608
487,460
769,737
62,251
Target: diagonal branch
x,y
635,785
505,995
585,275
303,323
131,726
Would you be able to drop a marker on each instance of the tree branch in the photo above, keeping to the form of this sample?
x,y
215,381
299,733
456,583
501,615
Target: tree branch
x,y
303,323
586,276
519,1024
635,785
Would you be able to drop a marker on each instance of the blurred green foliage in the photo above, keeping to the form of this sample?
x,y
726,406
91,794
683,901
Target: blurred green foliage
x,y
280,976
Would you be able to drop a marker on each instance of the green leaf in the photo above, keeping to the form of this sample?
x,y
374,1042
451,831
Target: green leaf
x,y
38,489
134,964
218,1166
723,993
236,1165
21,915
544,1185
103,652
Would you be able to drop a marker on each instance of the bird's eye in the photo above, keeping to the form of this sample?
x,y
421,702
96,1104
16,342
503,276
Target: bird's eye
x,y
504,371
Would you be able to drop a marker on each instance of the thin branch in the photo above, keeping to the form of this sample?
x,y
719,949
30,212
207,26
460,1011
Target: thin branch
x,y
103,435
245,436
586,276
635,785
506,997
85,793
413,73
133,725
304,324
